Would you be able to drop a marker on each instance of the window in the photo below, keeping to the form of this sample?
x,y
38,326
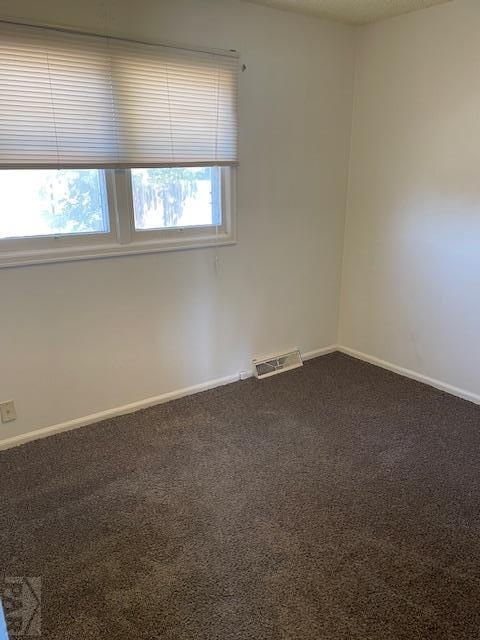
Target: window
x,y
50,215
168,198
53,202
112,147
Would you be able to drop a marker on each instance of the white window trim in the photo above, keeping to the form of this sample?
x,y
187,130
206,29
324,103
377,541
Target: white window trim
x,y
122,239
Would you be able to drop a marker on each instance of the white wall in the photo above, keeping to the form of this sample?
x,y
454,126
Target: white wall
x,y
83,337
411,280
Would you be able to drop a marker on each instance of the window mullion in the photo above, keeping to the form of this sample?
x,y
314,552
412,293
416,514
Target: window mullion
x,y
123,205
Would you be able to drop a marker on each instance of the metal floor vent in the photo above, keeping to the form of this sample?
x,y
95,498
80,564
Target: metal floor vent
x,y
266,367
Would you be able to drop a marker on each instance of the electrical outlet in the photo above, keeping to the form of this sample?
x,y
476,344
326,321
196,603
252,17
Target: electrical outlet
x,y
7,411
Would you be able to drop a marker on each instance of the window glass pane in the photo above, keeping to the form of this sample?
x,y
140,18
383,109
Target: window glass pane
x,y
176,197
46,202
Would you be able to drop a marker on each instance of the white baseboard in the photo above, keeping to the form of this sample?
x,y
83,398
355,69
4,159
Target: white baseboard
x,y
15,441
408,373
309,355
44,432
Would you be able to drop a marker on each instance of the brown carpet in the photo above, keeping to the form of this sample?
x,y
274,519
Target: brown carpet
x,y
337,501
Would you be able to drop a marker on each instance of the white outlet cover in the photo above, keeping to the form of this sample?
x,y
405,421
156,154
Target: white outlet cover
x,y
7,411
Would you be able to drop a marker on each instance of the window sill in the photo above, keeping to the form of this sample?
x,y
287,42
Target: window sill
x,y
110,250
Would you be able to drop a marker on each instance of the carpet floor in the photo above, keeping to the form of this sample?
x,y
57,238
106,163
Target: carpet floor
x,y
337,501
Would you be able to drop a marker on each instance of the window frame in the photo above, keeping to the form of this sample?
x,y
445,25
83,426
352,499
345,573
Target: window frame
x,y
123,239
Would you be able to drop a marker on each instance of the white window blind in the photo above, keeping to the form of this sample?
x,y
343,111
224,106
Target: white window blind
x,y
75,100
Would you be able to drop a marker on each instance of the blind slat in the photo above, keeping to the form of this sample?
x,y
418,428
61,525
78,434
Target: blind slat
x,y
79,100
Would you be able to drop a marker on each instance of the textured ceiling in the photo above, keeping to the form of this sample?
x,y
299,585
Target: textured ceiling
x,y
351,11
